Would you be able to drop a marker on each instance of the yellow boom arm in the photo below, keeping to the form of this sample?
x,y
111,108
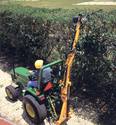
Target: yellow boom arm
x,y
65,91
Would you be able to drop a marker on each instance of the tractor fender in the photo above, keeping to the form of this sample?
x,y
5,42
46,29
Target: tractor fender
x,y
40,99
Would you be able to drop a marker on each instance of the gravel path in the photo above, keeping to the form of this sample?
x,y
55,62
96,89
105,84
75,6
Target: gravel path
x,y
13,111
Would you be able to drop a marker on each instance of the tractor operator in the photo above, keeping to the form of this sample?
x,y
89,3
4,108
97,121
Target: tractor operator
x,y
46,76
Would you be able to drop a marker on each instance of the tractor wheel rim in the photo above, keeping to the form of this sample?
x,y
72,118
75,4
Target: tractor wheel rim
x,y
30,110
9,94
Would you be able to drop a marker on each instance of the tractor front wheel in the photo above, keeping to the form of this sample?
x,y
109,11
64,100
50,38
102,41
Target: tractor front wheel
x,y
35,112
12,92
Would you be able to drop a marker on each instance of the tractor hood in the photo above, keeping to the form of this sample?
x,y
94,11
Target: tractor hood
x,y
21,75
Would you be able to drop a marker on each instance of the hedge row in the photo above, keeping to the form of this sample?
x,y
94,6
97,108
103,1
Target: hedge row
x,y
32,33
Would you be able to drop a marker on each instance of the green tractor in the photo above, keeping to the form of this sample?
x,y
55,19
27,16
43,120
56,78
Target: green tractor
x,y
39,101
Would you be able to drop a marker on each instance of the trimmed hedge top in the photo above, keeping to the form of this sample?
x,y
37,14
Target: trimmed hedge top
x,y
59,15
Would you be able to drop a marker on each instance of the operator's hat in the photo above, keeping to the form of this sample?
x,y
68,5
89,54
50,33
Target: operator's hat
x,y
38,64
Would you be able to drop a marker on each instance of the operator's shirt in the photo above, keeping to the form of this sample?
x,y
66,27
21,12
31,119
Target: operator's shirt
x,y
46,76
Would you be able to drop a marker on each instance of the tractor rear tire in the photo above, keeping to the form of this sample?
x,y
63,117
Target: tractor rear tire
x,y
34,111
12,92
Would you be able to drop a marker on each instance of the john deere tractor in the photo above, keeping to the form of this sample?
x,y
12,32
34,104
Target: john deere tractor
x,y
50,98
38,101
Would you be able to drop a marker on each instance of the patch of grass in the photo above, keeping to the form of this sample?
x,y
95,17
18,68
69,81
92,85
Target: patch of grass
x,y
52,3
65,4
